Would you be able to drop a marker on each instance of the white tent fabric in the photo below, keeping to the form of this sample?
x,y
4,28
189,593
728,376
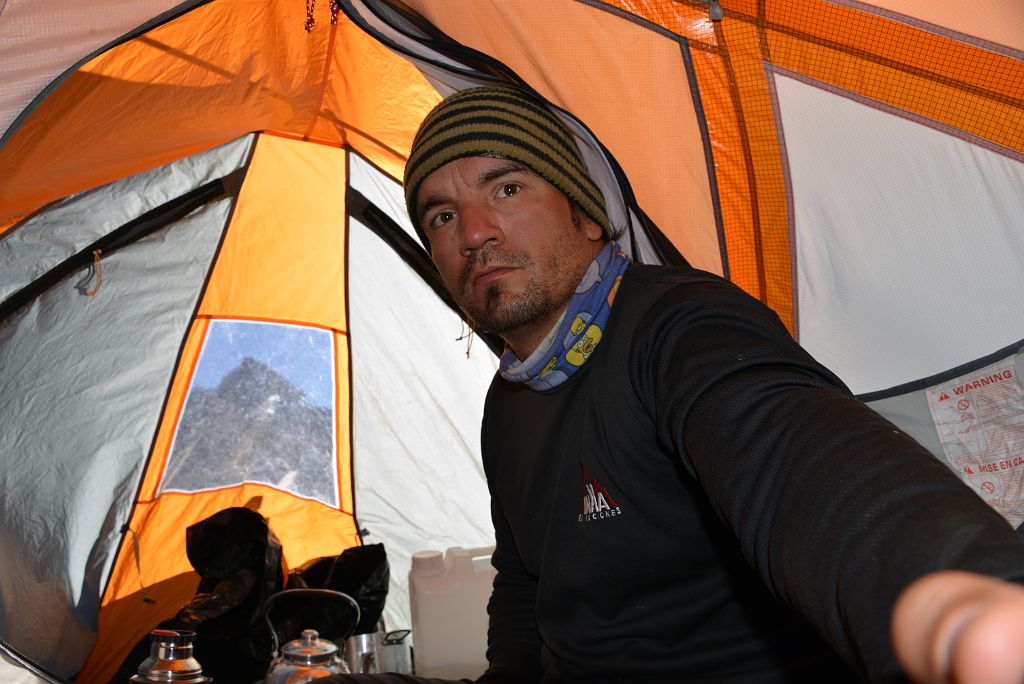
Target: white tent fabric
x,y
863,271
57,563
420,497
44,240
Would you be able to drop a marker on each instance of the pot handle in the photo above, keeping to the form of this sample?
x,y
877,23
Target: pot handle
x,y
301,592
395,637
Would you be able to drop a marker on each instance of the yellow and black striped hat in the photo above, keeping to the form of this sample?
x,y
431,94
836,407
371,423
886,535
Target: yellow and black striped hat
x,y
499,121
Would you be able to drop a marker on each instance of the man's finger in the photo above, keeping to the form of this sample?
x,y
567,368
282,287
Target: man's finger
x,y
961,627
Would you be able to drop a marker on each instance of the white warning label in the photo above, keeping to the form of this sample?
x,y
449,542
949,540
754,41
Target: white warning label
x,y
980,421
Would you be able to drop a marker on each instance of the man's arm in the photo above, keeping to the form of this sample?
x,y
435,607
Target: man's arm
x,y
837,509
513,644
961,627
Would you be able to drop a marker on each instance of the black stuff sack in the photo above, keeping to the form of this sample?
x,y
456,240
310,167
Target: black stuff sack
x,y
239,562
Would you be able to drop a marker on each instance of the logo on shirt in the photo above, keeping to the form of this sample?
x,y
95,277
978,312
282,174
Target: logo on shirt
x,y
597,503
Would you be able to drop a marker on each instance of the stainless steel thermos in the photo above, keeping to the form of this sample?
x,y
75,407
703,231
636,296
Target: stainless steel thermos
x,y
170,659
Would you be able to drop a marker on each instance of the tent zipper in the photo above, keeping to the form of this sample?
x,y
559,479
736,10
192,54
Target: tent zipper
x,y
134,230
29,664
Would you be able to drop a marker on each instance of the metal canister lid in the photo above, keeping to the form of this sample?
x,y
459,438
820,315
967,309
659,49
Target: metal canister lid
x,y
310,649
170,659
172,637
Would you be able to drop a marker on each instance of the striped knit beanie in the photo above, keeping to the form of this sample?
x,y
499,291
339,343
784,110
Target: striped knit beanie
x,y
507,123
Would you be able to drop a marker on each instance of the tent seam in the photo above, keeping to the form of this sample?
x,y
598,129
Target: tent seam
x,y
324,80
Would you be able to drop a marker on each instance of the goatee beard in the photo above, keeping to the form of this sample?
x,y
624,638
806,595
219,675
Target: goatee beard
x,y
500,317
498,314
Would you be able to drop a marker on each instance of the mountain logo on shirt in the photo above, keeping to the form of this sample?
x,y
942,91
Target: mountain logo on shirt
x,y
597,503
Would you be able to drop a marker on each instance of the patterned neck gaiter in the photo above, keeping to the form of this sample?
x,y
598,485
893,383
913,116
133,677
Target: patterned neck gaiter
x,y
579,331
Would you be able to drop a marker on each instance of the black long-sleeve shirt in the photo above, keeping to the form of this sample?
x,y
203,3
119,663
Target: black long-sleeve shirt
x,y
703,501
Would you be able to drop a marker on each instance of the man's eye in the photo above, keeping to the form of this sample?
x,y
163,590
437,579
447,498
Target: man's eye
x,y
509,189
441,218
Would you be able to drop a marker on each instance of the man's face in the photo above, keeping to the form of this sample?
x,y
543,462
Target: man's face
x,y
507,244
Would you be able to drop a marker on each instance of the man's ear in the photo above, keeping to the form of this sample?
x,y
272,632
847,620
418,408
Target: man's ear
x,y
589,226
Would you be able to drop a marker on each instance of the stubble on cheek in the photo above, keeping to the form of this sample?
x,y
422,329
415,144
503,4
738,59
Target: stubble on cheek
x,y
494,308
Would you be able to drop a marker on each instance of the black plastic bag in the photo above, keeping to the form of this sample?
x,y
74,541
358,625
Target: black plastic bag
x,y
362,572
239,561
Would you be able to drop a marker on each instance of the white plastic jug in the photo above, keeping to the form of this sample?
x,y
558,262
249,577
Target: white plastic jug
x,y
448,594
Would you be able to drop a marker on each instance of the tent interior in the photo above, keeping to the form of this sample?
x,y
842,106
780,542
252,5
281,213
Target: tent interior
x,y
211,295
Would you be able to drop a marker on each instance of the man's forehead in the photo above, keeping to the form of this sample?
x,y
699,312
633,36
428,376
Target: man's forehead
x,y
475,171
481,168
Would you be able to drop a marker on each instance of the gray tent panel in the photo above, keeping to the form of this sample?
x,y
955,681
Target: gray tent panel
x,y
117,351
64,228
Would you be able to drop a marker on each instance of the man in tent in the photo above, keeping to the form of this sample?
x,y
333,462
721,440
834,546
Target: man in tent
x,y
679,491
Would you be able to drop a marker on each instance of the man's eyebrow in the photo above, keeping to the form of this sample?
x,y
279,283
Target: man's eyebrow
x,y
496,173
430,201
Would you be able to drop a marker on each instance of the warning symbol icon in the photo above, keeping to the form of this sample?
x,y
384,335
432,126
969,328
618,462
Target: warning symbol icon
x,y
943,397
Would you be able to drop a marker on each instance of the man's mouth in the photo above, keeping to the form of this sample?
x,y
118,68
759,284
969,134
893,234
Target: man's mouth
x,y
488,268
481,277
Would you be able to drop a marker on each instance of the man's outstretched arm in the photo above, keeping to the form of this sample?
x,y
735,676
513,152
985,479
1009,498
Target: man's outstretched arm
x,y
961,627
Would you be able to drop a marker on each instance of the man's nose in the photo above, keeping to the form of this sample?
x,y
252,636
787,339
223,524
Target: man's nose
x,y
480,228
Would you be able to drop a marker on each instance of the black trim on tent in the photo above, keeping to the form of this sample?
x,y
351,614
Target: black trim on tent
x,y
384,227
938,378
477,64
134,230
29,664
361,532
158,20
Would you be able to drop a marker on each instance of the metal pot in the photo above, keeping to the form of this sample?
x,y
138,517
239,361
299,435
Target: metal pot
x,y
309,657
379,652
396,652
305,659
362,653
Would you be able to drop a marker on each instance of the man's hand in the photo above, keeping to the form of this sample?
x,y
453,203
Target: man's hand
x,y
960,627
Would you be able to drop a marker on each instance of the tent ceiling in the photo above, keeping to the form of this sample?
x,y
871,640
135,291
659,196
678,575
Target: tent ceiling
x,y
180,89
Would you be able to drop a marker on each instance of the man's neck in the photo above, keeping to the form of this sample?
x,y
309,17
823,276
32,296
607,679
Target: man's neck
x,y
526,341
523,341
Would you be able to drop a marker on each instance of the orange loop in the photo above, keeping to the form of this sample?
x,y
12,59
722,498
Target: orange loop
x,y
98,267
